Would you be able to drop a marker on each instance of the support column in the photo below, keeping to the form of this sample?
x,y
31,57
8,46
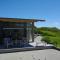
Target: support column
x,y
32,31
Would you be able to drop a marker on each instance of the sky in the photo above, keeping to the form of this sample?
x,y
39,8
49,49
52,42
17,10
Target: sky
x,y
33,9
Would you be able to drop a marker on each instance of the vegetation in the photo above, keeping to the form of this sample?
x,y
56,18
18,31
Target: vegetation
x,y
51,35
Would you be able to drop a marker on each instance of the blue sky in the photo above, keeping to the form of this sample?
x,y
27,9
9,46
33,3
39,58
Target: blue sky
x,y
39,9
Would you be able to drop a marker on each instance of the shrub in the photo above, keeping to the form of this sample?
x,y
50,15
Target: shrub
x,y
55,43
46,39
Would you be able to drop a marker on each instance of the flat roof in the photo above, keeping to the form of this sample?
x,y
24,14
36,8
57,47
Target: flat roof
x,y
2,19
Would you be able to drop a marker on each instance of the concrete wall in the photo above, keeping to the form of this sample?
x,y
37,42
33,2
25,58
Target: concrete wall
x,y
29,35
24,49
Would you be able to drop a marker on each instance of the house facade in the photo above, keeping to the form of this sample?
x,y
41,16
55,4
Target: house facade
x,y
16,32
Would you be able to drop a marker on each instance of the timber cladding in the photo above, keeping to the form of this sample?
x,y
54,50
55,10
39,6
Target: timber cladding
x,y
15,20
19,20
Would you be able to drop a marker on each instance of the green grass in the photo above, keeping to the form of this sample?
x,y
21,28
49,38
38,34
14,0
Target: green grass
x,y
52,40
51,35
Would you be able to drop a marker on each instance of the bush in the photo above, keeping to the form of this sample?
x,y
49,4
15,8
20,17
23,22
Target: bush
x,y
55,43
46,39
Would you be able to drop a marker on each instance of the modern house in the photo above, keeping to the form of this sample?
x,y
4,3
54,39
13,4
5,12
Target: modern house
x,y
16,32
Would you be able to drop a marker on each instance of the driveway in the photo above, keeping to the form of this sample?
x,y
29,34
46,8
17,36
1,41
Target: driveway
x,y
48,54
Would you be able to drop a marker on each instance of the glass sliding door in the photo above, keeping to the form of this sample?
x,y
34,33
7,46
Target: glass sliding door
x,y
14,34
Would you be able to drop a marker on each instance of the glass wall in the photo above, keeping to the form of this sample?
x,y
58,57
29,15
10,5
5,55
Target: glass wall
x,y
13,36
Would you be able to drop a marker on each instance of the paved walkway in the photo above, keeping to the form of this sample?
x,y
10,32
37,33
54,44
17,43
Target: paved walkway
x,y
49,54
38,42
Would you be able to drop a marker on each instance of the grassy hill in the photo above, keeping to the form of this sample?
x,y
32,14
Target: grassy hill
x,y
51,35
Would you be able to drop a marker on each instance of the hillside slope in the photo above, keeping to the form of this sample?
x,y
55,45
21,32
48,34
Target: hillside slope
x,y
51,35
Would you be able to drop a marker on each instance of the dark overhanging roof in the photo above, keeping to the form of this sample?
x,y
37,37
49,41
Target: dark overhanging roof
x,y
2,19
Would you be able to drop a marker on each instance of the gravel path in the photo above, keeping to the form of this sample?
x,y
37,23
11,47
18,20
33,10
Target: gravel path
x,y
48,54
38,39
38,42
